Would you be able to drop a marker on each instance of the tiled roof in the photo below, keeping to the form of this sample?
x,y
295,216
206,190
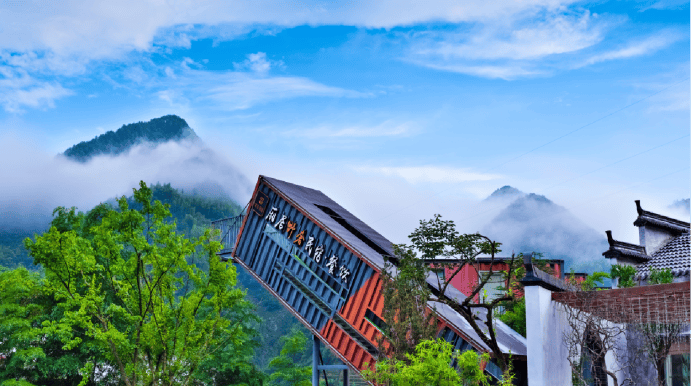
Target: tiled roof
x,y
674,255
657,220
621,248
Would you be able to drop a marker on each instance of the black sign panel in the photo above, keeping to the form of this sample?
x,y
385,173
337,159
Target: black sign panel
x,y
260,204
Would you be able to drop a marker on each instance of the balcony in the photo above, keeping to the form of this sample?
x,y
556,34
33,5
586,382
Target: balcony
x,y
229,228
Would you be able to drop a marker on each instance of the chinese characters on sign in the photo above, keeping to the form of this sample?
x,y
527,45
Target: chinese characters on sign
x,y
308,243
260,204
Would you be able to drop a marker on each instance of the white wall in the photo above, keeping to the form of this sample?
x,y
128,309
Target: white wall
x,y
546,354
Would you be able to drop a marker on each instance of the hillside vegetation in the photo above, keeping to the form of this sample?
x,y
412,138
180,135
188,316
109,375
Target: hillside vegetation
x,y
158,130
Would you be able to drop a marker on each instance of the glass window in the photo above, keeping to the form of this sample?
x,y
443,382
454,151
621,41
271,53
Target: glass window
x,y
678,370
440,272
495,287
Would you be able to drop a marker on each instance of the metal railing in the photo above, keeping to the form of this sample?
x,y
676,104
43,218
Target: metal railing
x,y
229,228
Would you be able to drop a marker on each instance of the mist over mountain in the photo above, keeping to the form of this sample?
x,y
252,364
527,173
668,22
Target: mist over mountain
x,y
505,192
533,223
157,130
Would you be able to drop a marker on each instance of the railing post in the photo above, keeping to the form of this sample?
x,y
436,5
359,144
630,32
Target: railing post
x,y
345,377
315,360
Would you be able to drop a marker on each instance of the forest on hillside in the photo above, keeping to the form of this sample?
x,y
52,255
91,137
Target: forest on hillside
x,y
192,213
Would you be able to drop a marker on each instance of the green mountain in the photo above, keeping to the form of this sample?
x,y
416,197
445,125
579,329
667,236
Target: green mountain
x,y
505,192
533,223
158,130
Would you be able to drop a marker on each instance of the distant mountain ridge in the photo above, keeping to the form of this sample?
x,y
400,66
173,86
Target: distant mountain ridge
x,y
157,130
533,223
505,192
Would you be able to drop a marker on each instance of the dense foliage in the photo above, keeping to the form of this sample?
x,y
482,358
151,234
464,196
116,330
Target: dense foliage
x,y
119,291
624,274
12,251
429,364
33,356
514,315
158,130
286,368
406,296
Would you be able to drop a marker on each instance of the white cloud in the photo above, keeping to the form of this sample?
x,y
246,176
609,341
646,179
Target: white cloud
x,y
18,89
39,181
515,49
104,28
426,174
387,128
239,90
558,34
647,46
664,4
506,72
257,63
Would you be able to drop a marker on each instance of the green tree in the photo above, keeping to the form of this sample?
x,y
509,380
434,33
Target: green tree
x,y
441,245
405,297
285,369
122,280
624,274
429,364
31,356
514,316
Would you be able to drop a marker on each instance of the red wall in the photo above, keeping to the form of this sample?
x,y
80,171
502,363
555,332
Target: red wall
x,y
466,280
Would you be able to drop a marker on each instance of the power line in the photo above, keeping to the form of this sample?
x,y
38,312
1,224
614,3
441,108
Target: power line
x,y
616,162
587,125
556,139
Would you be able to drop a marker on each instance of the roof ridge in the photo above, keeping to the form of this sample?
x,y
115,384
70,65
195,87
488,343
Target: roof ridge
x,y
650,218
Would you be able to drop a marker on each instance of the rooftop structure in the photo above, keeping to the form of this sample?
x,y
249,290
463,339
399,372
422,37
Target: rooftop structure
x,y
324,264
664,243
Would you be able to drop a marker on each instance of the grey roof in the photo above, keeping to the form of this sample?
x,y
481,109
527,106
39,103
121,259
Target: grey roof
x,y
308,199
621,248
660,221
675,255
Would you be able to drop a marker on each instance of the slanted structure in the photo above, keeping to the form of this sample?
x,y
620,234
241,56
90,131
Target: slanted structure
x,y
324,265
664,243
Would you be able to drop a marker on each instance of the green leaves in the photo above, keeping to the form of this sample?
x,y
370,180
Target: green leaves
x,y
429,364
123,285
437,238
405,305
285,370
660,276
625,274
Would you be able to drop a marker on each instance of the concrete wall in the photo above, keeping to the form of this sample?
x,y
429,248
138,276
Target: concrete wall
x,y
547,359
547,355
653,238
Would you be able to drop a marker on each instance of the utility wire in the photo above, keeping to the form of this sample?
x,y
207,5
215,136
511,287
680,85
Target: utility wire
x,y
587,125
554,140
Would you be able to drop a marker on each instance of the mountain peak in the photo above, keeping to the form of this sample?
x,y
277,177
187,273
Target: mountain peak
x,y
504,192
157,130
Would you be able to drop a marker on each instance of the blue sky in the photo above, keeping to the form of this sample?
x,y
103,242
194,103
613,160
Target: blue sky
x,y
397,109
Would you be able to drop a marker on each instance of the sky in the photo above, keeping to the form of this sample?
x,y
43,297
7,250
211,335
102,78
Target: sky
x,y
396,109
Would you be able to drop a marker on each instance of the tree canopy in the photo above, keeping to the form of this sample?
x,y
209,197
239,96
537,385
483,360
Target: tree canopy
x,y
119,289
